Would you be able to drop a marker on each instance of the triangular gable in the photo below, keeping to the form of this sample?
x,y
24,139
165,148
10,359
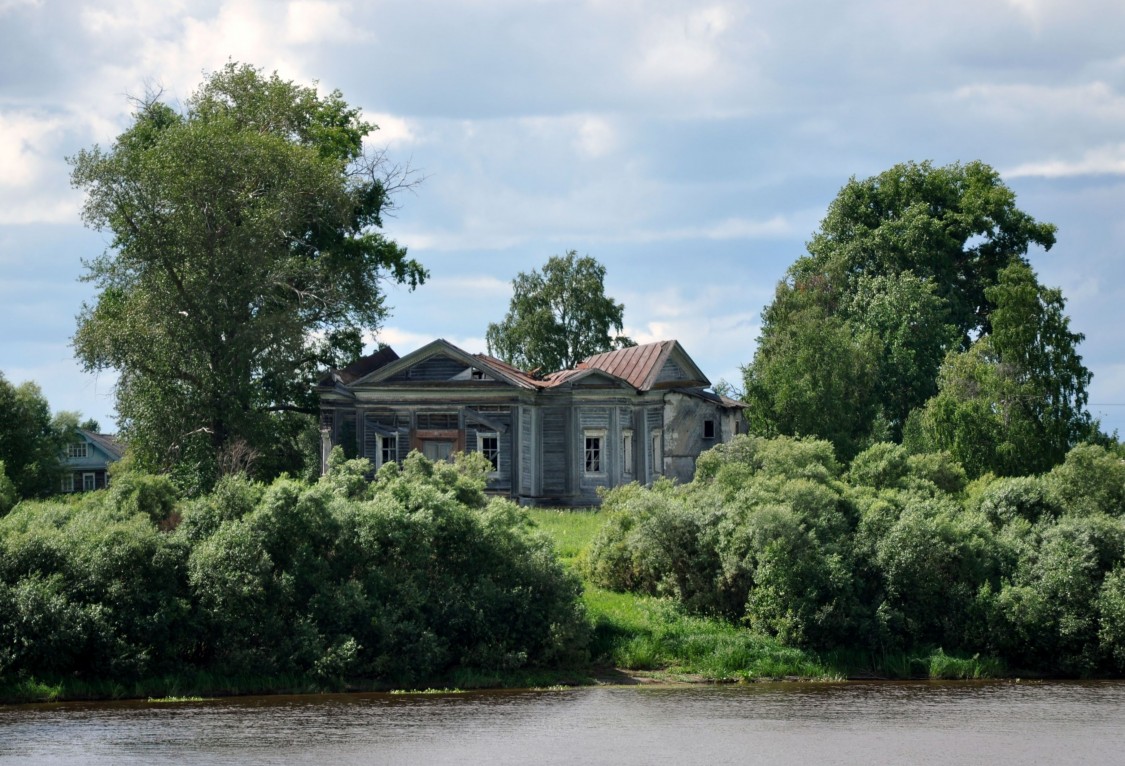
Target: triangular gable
x,y
106,445
587,378
438,361
663,364
679,370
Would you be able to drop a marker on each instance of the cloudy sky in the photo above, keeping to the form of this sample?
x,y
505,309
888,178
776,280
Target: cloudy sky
x,y
691,147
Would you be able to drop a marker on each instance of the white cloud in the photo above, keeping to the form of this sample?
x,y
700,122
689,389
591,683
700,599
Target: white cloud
x,y
684,48
596,137
1103,160
11,5
1079,103
405,341
32,184
318,21
393,131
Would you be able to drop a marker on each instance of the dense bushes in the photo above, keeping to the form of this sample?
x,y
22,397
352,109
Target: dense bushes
x,y
401,580
900,553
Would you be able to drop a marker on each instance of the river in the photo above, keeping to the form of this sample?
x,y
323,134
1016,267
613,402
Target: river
x,y
791,723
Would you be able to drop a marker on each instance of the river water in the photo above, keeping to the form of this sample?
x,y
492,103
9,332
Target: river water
x,y
848,723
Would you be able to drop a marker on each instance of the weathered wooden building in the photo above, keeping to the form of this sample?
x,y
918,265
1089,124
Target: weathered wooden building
x,y
86,461
630,415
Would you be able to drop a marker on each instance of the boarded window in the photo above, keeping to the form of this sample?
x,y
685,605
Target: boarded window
x,y
437,450
627,452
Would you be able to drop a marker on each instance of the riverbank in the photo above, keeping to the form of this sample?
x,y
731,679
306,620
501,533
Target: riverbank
x,y
634,640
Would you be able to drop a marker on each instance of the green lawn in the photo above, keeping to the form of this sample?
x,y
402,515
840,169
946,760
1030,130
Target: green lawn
x,y
643,633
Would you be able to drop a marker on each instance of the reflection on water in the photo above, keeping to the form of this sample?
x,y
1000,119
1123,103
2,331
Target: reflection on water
x,y
877,723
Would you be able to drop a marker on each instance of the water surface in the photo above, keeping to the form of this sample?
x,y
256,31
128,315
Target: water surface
x,y
852,723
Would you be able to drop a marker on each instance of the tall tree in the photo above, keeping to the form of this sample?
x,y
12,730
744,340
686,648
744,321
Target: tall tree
x,y
246,255
31,443
1015,402
558,317
903,261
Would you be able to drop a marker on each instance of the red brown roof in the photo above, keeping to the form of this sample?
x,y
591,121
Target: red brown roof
x,y
639,365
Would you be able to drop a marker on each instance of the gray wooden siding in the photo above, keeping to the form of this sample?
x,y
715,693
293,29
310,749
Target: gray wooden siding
x,y
527,451
671,371
434,368
555,449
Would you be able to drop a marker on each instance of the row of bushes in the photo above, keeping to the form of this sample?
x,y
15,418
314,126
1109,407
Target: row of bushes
x,y
403,579
898,553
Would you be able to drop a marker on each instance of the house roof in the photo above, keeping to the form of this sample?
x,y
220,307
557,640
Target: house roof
x,y
641,365
361,367
107,442
663,364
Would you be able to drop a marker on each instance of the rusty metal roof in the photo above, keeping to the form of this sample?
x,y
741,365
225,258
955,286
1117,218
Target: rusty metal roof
x,y
639,365
509,370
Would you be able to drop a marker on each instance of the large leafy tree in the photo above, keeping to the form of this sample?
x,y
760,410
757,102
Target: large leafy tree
x,y
558,316
245,255
31,442
1015,402
901,267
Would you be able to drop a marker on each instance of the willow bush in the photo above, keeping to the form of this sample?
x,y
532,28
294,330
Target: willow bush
x,y
405,579
898,553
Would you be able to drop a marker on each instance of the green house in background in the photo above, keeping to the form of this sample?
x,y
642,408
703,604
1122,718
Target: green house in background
x,y
86,460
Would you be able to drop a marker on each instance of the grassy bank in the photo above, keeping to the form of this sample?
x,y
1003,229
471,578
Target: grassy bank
x,y
639,633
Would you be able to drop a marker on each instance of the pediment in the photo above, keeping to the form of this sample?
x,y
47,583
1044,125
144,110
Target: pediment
x,y
437,362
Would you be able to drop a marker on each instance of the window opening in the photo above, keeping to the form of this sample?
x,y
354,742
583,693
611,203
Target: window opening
x,y
488,444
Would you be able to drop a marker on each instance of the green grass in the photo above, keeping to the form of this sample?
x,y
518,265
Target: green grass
x,y
640,633
648,634
571,531
933,664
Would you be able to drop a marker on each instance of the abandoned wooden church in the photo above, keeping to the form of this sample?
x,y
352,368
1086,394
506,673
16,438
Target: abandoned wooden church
x,y
630,415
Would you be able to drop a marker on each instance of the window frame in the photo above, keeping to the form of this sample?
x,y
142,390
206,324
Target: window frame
x,y
93,481
77,450
384,441
481,436
67,484
596,435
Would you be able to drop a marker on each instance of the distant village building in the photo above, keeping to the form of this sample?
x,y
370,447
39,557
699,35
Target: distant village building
x,y
630,415
86,460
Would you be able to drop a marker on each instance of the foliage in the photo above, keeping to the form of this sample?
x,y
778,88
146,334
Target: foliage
x,y
245,257
31,442
897,276
1015,402
898,557
8,496
558,316
403,585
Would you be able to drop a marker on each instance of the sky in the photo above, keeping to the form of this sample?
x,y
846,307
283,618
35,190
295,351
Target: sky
x,y
690,147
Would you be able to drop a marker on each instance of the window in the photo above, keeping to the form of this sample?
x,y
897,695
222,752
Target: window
x,y
388,450
68,483
436,450
593,459
89,482
627,452
708,429
488,444
77,449
657,452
